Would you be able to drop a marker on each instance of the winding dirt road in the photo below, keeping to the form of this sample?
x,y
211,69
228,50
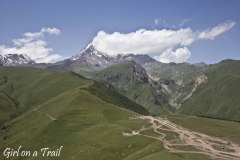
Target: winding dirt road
x,y
214,147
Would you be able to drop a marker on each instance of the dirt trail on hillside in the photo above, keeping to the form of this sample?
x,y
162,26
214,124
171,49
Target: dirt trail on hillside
x,y
45,114
37,109
214,147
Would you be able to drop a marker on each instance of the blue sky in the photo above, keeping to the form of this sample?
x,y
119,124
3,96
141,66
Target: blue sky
x,y
80,21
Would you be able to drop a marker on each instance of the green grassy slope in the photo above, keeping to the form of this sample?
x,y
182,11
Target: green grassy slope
x,y
83,122
219,97
22,88
66,112
115,98
131,80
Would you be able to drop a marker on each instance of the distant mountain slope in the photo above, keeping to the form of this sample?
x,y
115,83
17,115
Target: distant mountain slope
x,y
15,59
219,97
200,64
178,79
131,80
181,73
138,58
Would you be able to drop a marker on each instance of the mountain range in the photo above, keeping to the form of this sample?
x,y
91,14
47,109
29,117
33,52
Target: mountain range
x,y
161,88
15,59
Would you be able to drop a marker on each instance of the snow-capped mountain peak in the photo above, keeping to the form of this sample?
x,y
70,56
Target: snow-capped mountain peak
x,y
91,55
15,59
89,49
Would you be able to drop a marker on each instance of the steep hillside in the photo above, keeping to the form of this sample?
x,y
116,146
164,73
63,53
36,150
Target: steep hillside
x,y
113,97
219,97
178,79
23,88
131,80
181,73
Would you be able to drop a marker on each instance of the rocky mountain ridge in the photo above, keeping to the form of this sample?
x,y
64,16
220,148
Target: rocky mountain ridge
x,y
15,59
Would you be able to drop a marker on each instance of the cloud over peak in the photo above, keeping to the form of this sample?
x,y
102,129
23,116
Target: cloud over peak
x,y
34,45
161,42
142,41
178,56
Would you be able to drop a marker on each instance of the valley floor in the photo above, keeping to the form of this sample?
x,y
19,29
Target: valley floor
x,y
185,140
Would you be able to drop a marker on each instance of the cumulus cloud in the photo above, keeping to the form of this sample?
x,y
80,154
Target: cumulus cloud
x,y
50,31
160,42
142,41
34,45
178,56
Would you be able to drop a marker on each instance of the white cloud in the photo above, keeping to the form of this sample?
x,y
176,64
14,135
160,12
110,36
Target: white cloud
x,y
142,41
161,41
34,45
51,31
50,58
178,56
211,33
